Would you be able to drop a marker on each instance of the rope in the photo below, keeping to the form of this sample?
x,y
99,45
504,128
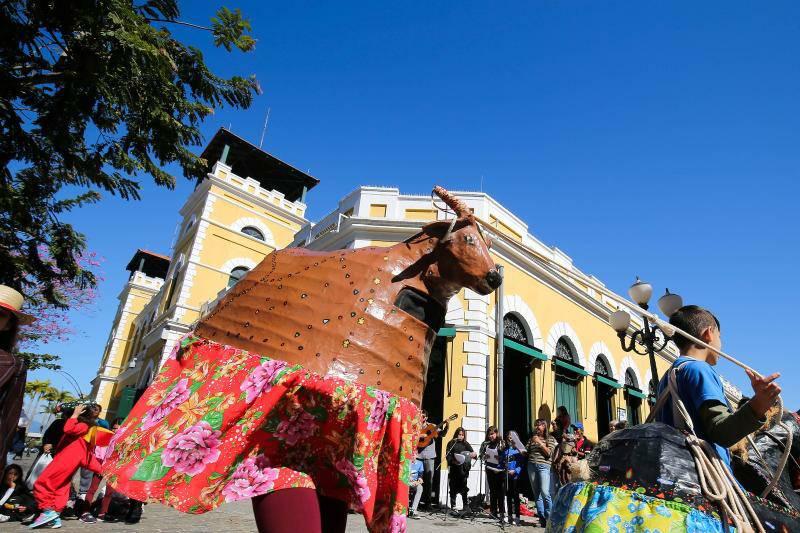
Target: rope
x,y
716,481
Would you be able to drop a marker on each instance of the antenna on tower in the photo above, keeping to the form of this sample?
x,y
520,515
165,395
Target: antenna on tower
x,y
264,131
481,182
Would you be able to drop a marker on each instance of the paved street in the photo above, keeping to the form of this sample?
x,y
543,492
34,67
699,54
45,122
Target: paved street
x,y
237,517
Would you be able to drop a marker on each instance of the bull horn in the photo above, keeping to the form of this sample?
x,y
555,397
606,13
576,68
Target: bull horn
x,y
449,231
454,203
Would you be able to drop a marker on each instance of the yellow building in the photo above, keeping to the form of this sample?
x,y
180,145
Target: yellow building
x,y
249,204
558,347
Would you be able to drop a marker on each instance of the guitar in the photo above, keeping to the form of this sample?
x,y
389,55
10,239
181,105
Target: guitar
x,y
431,431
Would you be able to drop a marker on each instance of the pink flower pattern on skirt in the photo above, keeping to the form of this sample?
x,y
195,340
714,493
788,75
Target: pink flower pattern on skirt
x,y
261,379
398,524
179,394
357,479
299,426
252,478
378,415
192,449
237,437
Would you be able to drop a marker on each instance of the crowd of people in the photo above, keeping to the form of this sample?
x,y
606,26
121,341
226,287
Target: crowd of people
x,y
73,445
545,459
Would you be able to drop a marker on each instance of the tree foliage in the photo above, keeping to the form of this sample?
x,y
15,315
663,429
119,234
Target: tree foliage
x,y
94,96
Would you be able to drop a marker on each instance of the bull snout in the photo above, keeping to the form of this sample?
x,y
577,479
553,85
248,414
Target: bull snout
x,y
494,279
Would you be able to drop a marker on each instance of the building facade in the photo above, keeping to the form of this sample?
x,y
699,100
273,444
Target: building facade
x,y
249,204
558,347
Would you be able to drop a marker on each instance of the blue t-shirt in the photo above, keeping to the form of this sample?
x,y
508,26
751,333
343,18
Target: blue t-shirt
x,y
416,470
698,382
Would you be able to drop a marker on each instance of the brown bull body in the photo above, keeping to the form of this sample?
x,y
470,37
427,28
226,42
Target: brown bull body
x,y
335,311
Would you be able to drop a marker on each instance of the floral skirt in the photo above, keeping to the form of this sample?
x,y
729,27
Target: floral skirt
x,y
219,424
590,508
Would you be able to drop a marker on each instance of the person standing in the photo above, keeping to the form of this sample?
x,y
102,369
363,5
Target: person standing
x,y
428,457
13,371
583,446
540,452
459,456
51,490
492,451
514,458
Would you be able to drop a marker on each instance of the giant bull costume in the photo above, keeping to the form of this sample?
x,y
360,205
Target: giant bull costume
x,y
307,374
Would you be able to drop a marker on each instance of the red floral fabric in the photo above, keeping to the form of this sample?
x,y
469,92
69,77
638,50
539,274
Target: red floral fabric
x,y
219,424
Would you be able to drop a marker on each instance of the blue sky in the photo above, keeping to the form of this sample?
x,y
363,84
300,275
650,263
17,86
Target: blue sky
x,y
656,139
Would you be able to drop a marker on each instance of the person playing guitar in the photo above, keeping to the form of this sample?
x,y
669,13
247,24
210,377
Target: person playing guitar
x,y
426,449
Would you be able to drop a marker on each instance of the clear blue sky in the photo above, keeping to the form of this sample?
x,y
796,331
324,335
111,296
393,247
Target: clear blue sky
x,y
650,138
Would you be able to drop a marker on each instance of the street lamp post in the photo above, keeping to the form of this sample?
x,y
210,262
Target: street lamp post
x,y
650,336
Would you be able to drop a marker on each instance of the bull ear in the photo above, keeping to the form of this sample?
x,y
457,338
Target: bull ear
x,y
454,203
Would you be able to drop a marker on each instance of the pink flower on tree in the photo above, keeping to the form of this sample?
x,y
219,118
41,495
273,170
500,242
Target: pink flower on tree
x,y
299,426
252,478
179,394
192,449
261,379
377,418
357,480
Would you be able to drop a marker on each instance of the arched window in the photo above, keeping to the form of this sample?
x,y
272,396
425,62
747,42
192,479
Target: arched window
x,y
630,379
513,329
237,274
601,366
565,351
253,232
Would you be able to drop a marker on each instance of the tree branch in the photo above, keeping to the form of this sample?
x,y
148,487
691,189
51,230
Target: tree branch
x,y
179,22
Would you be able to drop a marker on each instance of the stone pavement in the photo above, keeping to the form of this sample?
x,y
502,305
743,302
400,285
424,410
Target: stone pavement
x,y
237,517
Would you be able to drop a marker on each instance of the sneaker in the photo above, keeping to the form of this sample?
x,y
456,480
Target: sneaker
x,y
4,518
517,522
28,519
88,518
108,519
45,517
55,524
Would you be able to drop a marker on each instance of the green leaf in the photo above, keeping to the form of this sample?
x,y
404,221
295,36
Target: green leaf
x,y
358,461
196,386
214,402
214,419
213,476
151,468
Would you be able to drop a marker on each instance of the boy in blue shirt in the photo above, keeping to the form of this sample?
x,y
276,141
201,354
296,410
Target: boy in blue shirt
x,y
415,487
700,387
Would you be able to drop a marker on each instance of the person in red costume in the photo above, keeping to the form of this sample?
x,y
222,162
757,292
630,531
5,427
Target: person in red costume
x,y
51,490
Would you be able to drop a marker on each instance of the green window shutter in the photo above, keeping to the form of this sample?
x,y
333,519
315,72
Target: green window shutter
x,y
126,402
446,332
567,395
606,381
563,364
635,393
508,343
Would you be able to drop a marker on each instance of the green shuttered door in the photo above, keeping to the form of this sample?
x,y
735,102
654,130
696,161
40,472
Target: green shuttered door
x,y
567,395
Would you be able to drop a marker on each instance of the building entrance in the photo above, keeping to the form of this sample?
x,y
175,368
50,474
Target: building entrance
x,y
433,404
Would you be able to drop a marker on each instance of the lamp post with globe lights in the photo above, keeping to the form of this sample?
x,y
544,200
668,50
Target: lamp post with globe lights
x,y
652,337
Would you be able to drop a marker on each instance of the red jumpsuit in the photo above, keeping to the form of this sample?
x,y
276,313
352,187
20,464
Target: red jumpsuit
x,y
51,490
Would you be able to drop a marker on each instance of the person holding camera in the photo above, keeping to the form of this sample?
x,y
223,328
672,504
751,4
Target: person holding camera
x,y
51,490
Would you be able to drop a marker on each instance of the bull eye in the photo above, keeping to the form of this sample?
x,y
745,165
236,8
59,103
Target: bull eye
x,y
469,239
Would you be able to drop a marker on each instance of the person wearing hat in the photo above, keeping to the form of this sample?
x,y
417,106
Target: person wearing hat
x,y
12,369
582,445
